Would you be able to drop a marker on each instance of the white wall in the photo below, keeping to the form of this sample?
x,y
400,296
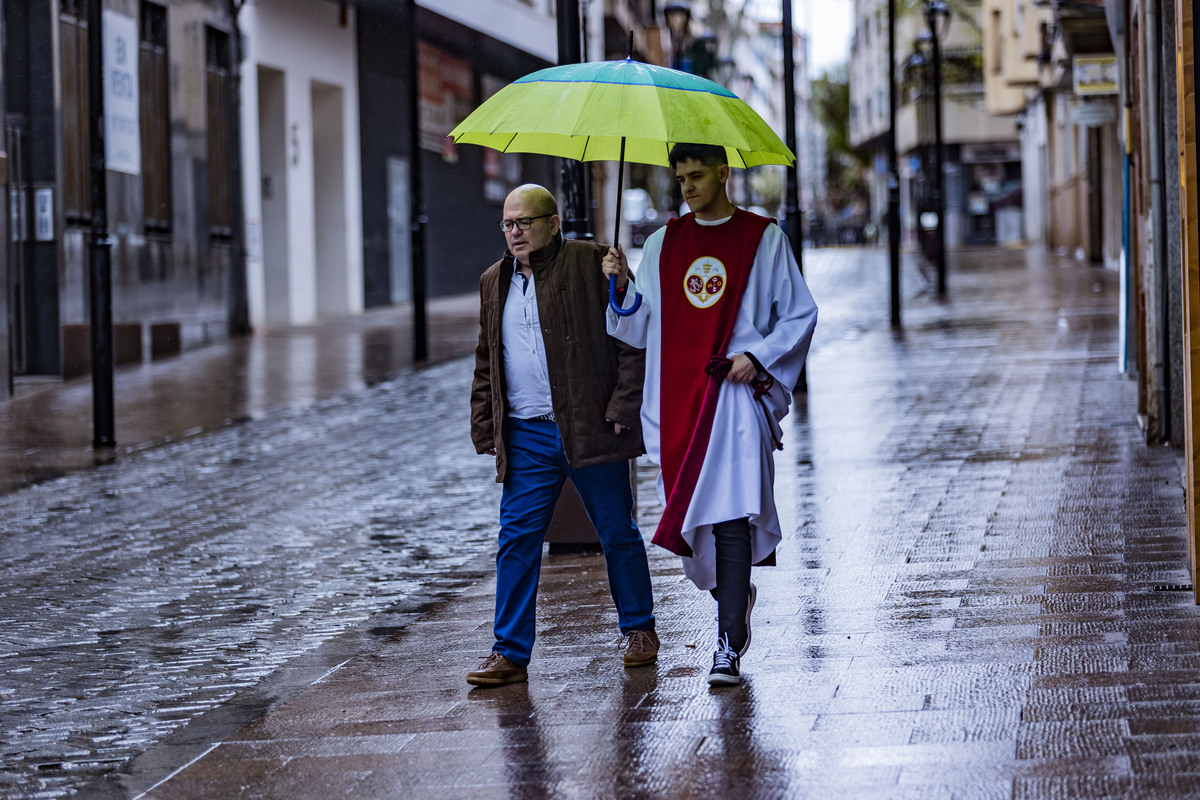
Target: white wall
x,y
1033,171
303,41
527,27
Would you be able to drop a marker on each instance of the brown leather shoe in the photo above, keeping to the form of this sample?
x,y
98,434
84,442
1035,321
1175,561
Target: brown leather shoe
x,y
497,670
641,648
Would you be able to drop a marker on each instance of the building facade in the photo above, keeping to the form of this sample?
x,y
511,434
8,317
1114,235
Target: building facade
x,y
301,177
981,164
173,239
279,162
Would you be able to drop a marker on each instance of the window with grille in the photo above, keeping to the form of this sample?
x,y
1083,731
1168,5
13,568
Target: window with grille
x,y
77,157
155,117
220,187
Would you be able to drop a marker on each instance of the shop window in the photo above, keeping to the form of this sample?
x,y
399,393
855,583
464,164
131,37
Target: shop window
x,y
220,185
77,157
155,117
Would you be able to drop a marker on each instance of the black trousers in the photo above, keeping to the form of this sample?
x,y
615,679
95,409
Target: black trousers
x,y
733,579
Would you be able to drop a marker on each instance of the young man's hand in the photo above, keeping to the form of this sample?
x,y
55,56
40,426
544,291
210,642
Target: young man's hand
x,y
615,264
743,369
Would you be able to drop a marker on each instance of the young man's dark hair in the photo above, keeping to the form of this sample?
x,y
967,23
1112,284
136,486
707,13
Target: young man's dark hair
x,y
710,155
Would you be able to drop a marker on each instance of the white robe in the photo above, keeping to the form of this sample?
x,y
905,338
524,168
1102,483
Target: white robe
x,y
775,325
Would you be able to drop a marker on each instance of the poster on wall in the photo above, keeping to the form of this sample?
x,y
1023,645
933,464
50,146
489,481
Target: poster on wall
x,y
122,134
501,171
444,93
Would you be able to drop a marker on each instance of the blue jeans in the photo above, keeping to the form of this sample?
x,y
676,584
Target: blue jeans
x,y
537,467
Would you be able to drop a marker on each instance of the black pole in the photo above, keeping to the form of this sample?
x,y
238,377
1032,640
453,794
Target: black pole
x,y
795,230
575,220
100,246
416,194
893,173
939,202
239,301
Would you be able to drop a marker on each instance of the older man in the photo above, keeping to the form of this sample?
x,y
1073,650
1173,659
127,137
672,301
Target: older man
x,y
554,397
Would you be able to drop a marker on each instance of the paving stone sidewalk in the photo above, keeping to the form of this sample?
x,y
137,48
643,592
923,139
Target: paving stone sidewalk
x,y
975,599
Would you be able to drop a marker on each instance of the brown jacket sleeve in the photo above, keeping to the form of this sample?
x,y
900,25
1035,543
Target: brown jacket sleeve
x,y
483,430
625,405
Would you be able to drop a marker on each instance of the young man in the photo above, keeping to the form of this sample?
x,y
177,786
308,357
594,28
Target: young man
x,y
554,397
726,320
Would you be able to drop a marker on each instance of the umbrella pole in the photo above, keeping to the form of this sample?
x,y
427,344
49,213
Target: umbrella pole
x,y
620,181
612,279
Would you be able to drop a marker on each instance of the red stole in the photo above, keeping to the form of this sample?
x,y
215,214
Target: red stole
x,y
703,273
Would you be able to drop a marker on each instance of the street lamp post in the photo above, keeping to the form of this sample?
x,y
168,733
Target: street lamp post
x,y
416,191
933,10
100,246
792,220
893,174
677,17
575,219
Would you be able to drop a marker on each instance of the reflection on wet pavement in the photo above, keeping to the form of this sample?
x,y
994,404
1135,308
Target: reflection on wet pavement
x,y
974,597
47,431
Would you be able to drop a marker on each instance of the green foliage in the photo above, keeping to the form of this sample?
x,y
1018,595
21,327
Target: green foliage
x,y
845,165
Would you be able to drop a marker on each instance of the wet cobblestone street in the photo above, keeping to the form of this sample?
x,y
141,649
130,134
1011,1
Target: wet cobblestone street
x,y
977,595
139,595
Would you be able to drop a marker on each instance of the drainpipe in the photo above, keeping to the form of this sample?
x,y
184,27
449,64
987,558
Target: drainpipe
x,y
1126,303
1158,223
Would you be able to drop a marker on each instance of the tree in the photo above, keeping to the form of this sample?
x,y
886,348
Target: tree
x,y
845,165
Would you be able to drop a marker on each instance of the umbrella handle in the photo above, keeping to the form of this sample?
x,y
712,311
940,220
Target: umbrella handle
x,y
612,299
612,279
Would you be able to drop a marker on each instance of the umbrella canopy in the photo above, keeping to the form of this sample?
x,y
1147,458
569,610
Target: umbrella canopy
x,y
620,111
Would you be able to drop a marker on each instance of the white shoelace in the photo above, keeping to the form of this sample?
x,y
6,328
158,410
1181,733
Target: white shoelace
x,y
726,656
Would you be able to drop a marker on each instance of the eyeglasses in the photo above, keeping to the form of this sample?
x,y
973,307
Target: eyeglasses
x,y
521,223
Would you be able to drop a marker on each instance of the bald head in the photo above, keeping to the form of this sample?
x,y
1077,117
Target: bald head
x,y
535,198
536,204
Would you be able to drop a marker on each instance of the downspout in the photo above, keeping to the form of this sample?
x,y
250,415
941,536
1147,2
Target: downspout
x,y
1125,311
1158,224
1126,274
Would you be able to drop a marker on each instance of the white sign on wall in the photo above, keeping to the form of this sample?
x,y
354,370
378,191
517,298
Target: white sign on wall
x,y
43,214
122,135
1096,75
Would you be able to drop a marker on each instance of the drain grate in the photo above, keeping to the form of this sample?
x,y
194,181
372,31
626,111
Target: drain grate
x,y
1173,587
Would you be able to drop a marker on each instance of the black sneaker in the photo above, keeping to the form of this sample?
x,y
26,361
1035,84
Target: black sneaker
x,y
725,665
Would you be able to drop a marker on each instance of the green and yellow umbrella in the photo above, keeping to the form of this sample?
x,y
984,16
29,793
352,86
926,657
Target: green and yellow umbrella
x,y
620,111
589,111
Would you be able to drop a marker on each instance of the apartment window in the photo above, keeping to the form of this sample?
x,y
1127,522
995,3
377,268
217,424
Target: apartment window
x,y
997,43
220,187
155,117
77,157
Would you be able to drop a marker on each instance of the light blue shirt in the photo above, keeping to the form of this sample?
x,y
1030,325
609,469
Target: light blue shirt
x,y
525,373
